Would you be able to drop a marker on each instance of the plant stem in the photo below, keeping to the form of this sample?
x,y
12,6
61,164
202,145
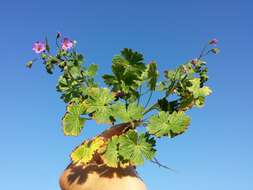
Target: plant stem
x,y
119,129
202,52
139,96
149,98
150,108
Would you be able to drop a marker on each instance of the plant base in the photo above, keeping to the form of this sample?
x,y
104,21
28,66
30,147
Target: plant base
x,y
94,177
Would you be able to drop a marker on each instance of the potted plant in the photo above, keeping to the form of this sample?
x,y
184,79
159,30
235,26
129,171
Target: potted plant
x,y
108,160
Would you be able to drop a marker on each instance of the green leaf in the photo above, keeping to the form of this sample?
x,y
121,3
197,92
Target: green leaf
x,y
136,148
72,122
62,84
133,57
111,156
127,69
84,153
197,91
75,72
118,66
80,59
47,45
98,104
152,74
43,56
166,124
92,70
110,80
172,75
102,115
133,111
200,101
49,67
165,105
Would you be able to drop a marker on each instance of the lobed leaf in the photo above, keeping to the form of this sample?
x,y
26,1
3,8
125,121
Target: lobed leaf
x,y
111,156
84,153
98,103
72,123
166,124
132,112
136,148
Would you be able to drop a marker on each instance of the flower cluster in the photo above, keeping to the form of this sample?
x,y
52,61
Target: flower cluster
x,y
66,44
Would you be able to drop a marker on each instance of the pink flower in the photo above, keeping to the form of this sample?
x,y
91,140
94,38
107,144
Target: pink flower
x,y
213,41
39,47
67,44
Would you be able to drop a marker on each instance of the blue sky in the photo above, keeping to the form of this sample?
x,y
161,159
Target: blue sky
x,y
216,152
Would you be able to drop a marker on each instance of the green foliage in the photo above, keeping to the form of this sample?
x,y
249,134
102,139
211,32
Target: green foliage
x,y
199,93
166,124
124,101
131,113
92,70
129,149
126,68
197,90
152,75
98,104
72,121
136,148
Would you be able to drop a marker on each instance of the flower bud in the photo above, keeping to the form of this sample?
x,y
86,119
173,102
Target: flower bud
x,y
29,64
58,35
213,41
215,50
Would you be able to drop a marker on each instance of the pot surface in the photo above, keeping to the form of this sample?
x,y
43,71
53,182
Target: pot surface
x,y
94,177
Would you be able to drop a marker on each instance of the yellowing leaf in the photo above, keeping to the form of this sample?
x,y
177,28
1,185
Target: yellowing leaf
x,y
72,122
197,90
110,156
84,153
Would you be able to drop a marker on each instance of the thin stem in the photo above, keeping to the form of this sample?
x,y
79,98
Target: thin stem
x,y
202,53
155,161
150,108
139,96
149,98
205,54
56,43
145,92
86,118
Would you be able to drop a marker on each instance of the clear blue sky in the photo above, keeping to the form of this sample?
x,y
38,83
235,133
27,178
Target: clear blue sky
x,y
216,152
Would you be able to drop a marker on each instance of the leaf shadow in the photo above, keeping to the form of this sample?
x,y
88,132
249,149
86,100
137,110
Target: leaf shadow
x,y
79,173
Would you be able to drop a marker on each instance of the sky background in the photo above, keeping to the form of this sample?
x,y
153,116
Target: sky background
x,y
215,153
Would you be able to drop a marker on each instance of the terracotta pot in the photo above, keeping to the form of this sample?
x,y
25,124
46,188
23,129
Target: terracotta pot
x,y
94,177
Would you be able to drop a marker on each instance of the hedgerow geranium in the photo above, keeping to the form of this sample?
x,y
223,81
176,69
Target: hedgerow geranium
x,y
124,102
39,47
